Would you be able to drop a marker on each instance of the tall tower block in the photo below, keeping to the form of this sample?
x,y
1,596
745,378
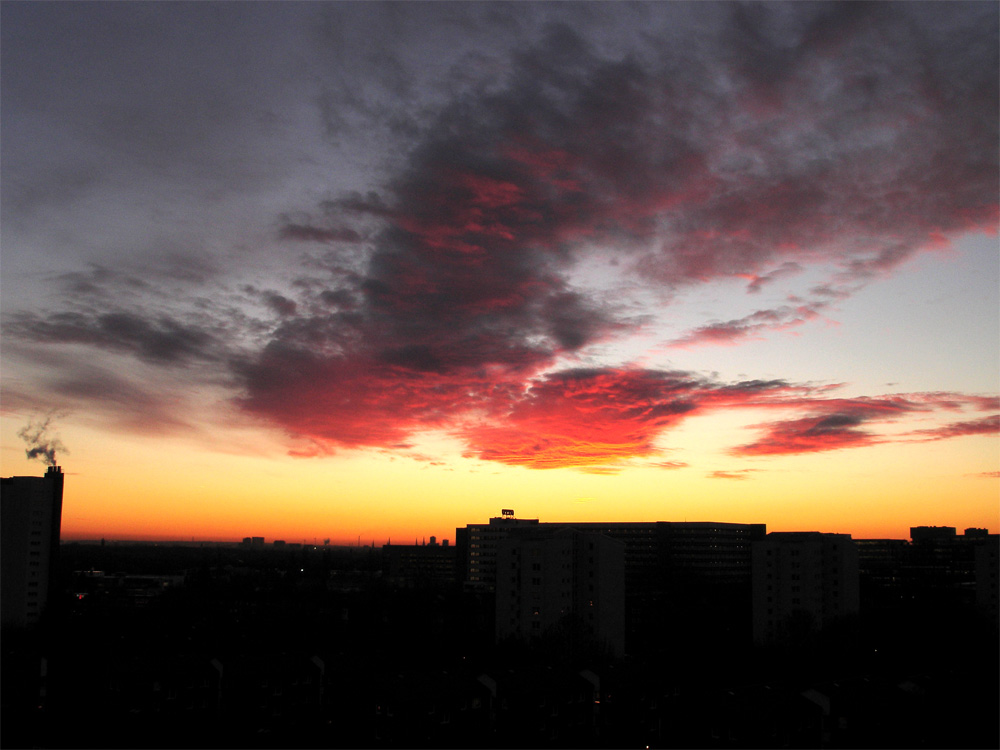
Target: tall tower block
x,y
30,522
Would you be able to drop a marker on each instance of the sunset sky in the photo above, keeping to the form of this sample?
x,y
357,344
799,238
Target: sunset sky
x,y
378,270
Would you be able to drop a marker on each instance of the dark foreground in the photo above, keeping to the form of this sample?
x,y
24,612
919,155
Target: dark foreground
x,y
222,647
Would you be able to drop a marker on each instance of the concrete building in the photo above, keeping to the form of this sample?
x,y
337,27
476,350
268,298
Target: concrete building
x,y
937,568
806,576
881,561
30,521
938,558
683,580
419,564
987,562
561,580
655,551
925,533
476,546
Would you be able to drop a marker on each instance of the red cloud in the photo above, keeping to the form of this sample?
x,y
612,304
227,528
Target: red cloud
x,y
842,423
734,474
810,434
352,403
984,426
584,418
668,465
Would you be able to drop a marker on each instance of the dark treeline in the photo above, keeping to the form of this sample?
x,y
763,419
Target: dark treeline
x,y
236,647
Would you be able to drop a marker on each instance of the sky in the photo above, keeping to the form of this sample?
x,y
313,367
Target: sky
x,y
371,271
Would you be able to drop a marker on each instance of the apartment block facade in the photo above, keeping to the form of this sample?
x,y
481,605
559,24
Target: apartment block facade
x,y
802,579
561,580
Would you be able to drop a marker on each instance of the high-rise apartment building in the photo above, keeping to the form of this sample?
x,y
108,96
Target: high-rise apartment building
x,y
655,551
476,546
548,579
30,521
938,567
807,575
987,562
681,578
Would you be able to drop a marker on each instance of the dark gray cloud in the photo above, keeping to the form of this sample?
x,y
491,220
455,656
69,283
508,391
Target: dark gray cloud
x,y
736,331
307,233
161,340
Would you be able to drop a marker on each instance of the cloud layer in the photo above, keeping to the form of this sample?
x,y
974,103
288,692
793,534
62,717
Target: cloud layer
x,y
774,139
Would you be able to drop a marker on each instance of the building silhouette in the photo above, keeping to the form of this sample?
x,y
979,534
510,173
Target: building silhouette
x,y
30,520
802,580
937,567
699,569
928,533
313,649
419,564
677,551
476,546
561,580
987,575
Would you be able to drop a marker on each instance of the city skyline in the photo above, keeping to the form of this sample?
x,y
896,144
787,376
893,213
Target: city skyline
x,y
379,270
